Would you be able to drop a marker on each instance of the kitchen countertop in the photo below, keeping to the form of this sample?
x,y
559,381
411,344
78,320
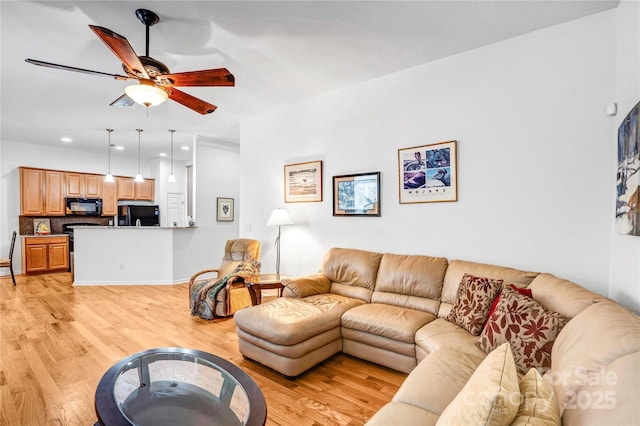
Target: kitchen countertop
x,y
134,227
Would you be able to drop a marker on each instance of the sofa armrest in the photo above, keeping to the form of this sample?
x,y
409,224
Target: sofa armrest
x,y
306,286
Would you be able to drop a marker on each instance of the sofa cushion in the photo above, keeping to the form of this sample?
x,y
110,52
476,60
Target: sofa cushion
x,y
352,272
288,321
447,370
411,281
473,301
457,268
399,414
597,356
487,398
538,406
527,326
393,322
441,334
562,296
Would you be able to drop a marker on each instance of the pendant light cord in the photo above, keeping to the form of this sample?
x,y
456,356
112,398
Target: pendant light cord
x,y
139,131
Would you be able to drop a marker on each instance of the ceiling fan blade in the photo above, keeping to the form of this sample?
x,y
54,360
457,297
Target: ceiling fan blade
x,y
122,101
68,68
213,77
120,46
198,105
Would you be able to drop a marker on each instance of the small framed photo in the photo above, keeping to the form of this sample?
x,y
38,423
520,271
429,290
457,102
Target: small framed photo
x,y
303,182
41,226
428,173
356,195
225,210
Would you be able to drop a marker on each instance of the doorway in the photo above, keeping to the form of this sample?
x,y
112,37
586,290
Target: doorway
x,y
175,209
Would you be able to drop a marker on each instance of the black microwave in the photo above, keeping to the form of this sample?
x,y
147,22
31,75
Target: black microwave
x,y
84,206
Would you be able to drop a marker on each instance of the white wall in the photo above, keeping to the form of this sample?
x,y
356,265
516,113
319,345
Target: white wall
x,y
625,249
217,170
534,155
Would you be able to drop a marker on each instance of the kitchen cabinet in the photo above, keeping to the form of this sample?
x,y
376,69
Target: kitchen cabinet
x,y
145,190
83,185
45,254
54,204
41,192
128,189
109,199
31,192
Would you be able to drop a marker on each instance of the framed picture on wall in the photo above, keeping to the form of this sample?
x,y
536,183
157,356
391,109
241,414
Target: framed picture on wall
x,y
356,195
225,210
428,173
628,174
303,182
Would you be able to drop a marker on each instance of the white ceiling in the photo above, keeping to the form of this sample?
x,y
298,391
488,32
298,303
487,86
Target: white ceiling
x,y
279,51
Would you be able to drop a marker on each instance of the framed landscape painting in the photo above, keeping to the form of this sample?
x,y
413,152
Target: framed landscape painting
x,y
628,175
303,182
428,173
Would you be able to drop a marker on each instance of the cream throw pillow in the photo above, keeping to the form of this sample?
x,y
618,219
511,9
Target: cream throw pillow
x,y
490,397
539,406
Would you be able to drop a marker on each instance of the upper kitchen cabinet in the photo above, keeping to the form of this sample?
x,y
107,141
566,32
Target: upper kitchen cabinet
x,y
128,189
145,190
109,199
83,185
41,192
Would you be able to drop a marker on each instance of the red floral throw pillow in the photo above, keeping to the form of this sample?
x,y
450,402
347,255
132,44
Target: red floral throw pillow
x,y
473,301
524,291
527,326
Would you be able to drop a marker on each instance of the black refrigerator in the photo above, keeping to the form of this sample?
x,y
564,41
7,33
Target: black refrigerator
x,y
130,215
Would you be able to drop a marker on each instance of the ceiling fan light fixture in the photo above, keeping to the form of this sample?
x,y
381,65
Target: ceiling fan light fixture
x,y
146,93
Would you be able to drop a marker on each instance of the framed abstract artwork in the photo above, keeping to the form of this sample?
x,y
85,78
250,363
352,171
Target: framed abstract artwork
x,y
303,182
356,195
628,175
428,173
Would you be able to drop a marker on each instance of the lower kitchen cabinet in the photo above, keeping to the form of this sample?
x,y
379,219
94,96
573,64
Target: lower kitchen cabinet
x,y
45,254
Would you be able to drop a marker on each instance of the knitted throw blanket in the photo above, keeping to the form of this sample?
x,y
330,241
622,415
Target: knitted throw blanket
x,y
203,295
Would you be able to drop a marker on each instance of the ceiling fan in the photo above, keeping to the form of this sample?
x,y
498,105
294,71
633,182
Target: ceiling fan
x,y
154,77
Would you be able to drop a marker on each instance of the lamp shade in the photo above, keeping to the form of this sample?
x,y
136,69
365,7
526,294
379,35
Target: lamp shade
x,y
146,94
279,217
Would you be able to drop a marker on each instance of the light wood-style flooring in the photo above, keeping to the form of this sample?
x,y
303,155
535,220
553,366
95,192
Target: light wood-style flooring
x,y
58,340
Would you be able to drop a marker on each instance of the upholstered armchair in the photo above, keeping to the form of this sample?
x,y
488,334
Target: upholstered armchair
x,y
220,292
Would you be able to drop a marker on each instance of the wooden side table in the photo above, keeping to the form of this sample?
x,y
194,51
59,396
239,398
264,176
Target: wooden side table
x,y
264,282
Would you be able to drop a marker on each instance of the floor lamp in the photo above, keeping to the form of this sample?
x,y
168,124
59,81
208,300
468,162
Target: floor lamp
x,y
279,218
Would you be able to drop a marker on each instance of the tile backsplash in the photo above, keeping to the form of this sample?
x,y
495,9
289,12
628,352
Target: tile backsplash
x,y
26,222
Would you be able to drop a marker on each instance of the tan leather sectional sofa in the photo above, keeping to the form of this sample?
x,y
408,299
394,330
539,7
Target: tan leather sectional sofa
x,y
390,309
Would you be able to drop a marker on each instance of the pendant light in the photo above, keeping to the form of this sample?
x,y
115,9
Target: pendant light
x,y
172,177
139,177
109,176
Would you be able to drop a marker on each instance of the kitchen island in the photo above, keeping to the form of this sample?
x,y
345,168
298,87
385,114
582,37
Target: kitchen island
x,y
126,255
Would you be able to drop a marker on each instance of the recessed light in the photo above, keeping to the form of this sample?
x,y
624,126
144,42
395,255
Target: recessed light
x,y
66,139
185,148
162,154
120,147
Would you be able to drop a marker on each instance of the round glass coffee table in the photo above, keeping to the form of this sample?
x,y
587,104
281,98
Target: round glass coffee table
x,y
178,386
